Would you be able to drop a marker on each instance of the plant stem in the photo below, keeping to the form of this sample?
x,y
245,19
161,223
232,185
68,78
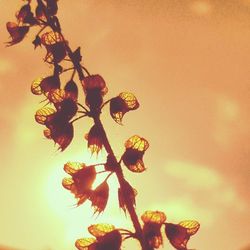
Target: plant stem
x,y
119,173
121,179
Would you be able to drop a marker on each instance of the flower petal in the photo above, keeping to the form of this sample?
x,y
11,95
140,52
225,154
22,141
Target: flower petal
x,y
137,142
99,230
177,236
16,32
42,114
154,217
85,243
67,183
73,167
192,226
35,86
99,197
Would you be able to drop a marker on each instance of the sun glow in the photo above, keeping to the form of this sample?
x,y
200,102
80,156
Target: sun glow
x,y
63,204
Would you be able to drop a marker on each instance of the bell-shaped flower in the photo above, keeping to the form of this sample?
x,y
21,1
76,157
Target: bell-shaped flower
x,y
127,193
55,45
122,104
94,88
133,156
107,238
71,90
25,15
60,130
16,32
95,139
153,221
99,197
44,85
179,234
40,11
81,180
59,127
51,7
43,114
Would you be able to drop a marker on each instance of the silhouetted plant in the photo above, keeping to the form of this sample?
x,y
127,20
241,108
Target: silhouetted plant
x,y
58,116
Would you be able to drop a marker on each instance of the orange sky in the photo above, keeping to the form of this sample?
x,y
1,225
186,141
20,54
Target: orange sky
x,y
188,64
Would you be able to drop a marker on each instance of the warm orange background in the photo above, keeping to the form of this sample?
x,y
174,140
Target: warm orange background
x,y
188,63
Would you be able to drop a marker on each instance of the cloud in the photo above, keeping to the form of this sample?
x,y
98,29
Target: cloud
x,y
194,175
207,194
178,209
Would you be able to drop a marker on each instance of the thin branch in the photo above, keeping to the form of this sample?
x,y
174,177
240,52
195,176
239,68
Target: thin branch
x,y
105,103
78,118
108,176
65,70
79,104
85,69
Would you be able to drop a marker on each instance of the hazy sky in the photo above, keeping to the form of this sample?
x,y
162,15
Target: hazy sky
x,y
188,64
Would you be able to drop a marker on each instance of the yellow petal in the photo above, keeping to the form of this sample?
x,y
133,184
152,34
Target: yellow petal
x,y
192,226
41,114
99,230
85,243
67,183
130,100
57,95
35,86
154,217
139,167
50,38
137,142
73,167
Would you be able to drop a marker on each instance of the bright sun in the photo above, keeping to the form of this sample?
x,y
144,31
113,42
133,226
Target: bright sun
x,y
62,203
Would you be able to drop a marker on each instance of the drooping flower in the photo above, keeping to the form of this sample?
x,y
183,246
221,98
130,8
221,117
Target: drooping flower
x,y
122,104
133,156
41,11
107,238
44,85
16,32
71,90
55,45
51,7
81,180
179,234
99,197
25,15
95,139
153,221
127,193
58,122
94,88
60,131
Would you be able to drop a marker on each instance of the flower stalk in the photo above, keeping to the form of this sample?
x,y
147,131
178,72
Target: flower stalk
x,y
59,114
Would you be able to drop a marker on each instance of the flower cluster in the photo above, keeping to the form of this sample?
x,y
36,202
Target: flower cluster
x,y
61,111
80,184
106,237
177,234
45,12
57,119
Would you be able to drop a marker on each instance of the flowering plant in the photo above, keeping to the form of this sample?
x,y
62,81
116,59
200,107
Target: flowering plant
x,y
63,109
